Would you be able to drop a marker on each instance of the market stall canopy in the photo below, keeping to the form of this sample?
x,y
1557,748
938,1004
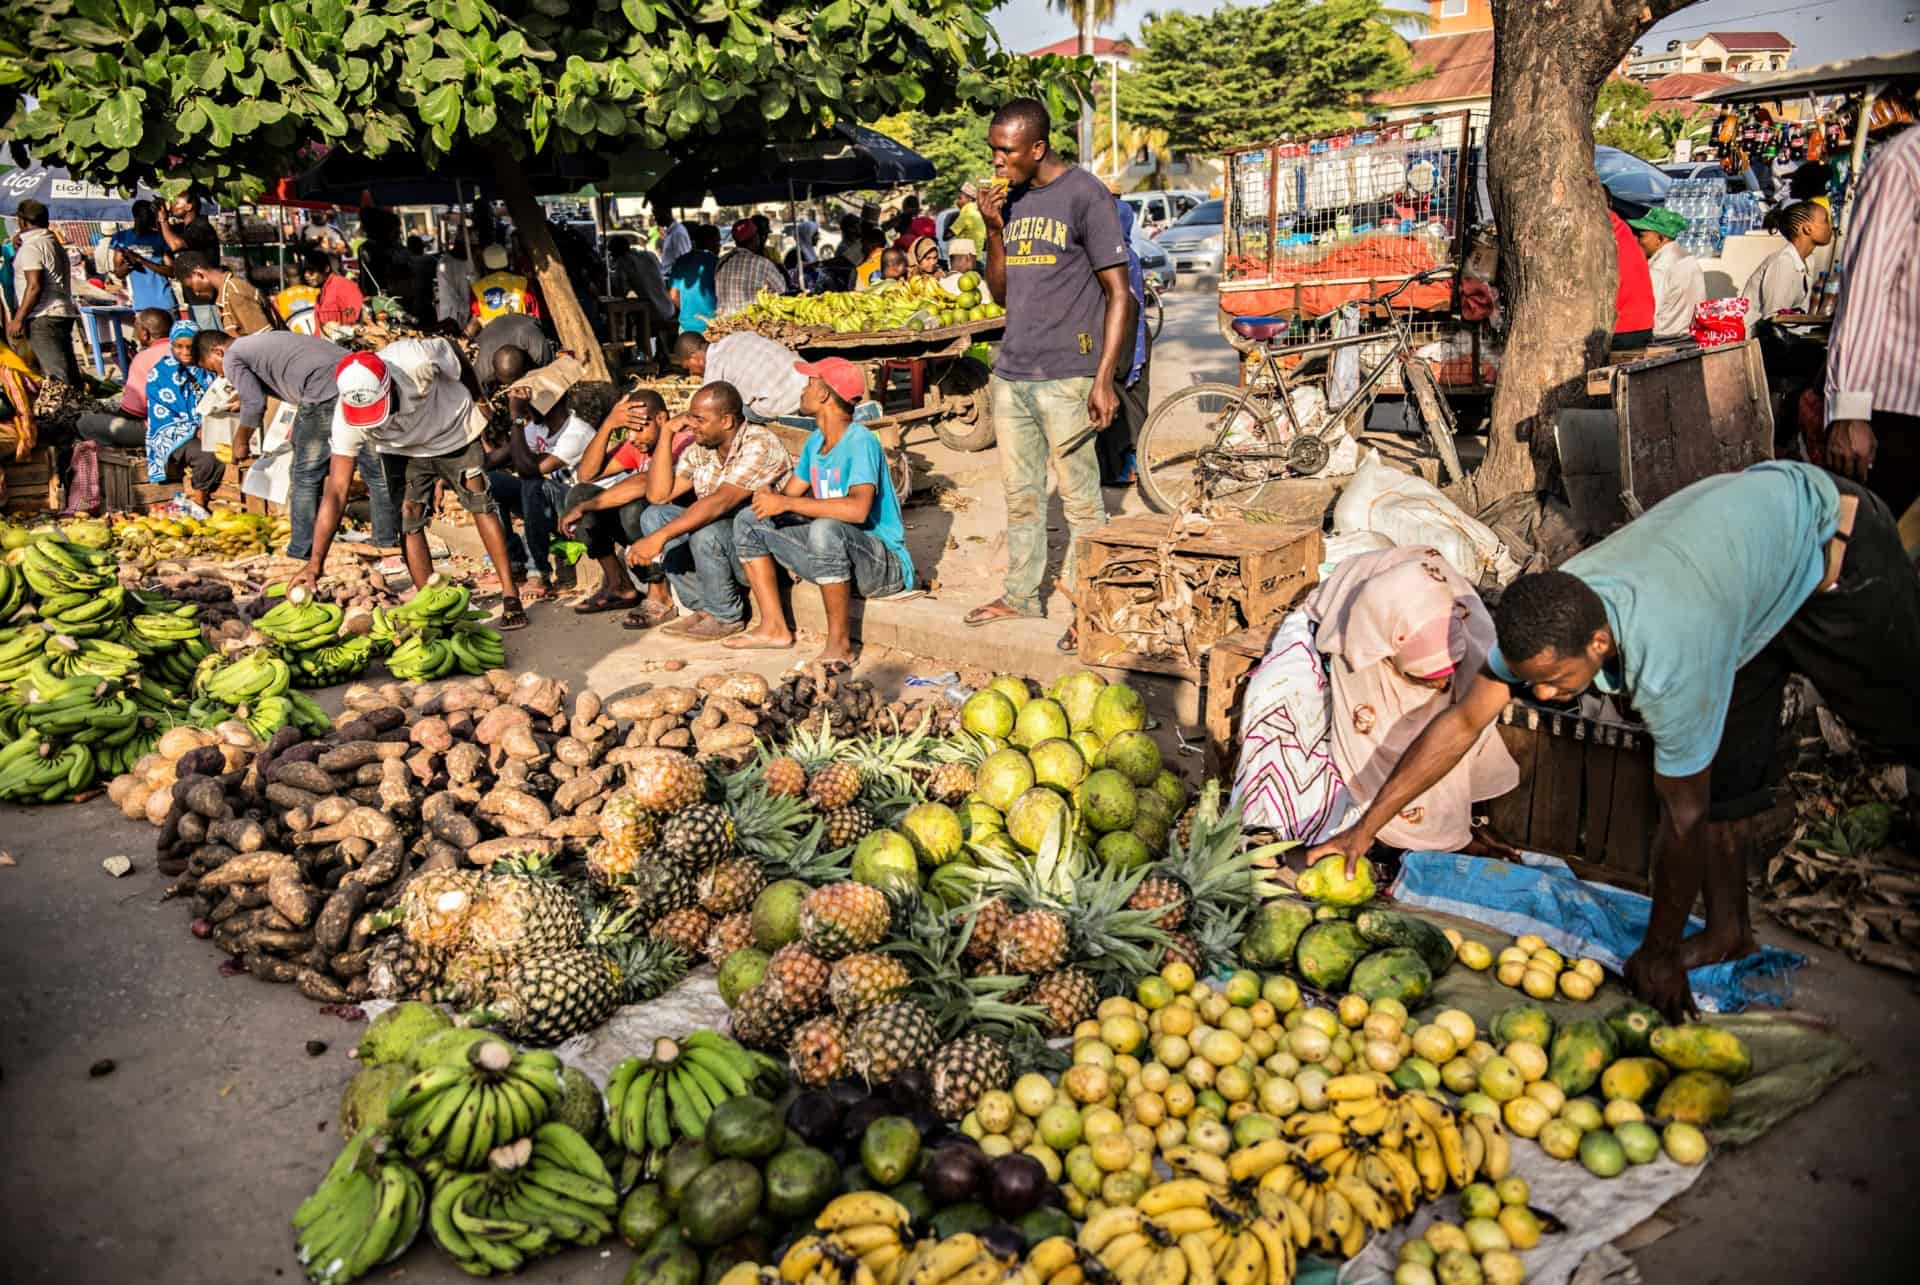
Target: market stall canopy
x,y
66,197
1827,78
849,158
342,177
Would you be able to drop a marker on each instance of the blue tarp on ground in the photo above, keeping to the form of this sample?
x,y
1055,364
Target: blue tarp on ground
x,y
1575,917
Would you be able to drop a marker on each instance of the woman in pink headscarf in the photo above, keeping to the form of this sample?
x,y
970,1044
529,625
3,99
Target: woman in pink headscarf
x,y
1376,653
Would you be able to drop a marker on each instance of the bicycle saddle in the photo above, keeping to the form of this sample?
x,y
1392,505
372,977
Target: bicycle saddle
x,y
1260,329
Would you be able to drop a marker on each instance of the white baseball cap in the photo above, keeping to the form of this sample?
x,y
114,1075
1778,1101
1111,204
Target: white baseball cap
x,y
366,391
962,245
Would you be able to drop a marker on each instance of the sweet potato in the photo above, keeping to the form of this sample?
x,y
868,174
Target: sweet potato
x,y
310,777
649,705
289,895
509,808
362,698
431,734
572,827
520,743
586,706
446,819
352,850
369,724
389,856
733,738
485,854
464,762
423,765
542,695
351,756
499,682
680,738
441,855
239,834
494,725
335,920
361,823
738,685
570,796
255,867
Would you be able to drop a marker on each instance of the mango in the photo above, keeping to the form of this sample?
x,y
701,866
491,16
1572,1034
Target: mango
x,y
1698,1047
1326,881
1527,1022
1580,1053
1634,1079
1695,1097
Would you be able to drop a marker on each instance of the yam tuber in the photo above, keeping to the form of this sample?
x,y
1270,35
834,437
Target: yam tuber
x,y
303,776
360,823
531,845
519,742
335,920
238,834
351,756
586,706
291,798
207,798
446,819
431,734
383,865
289,894
509,808
256,867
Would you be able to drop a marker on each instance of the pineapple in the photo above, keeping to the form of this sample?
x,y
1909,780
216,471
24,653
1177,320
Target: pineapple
x,y
1183,828
989,918
865,980
1183,949
950,782
398,969
889,1039
846,826
547,997
731,886
665,780
436,907
1033,942
1159,893
729,933
698,835
524,915
659,887
843,917
834,787
819,1051
800,977
785,778
626,830
1069,996
472,977
964,1069
686,929
761,1021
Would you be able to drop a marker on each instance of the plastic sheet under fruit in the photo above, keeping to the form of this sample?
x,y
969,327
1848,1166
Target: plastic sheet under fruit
x,y
1595,1211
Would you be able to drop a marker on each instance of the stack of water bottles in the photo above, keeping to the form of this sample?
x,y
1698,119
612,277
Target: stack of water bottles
x,y
1703,203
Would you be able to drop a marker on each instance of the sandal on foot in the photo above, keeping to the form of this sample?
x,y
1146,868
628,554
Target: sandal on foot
x,y
604,601
513,615
997,610
648,615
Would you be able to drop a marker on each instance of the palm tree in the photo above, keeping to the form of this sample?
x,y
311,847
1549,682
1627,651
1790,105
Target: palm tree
x,y
1088,17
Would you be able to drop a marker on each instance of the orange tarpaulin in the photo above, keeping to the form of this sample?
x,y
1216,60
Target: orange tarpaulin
x,y
1355,269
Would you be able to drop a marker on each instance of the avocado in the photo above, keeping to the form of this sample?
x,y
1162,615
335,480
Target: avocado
x,y
745,1129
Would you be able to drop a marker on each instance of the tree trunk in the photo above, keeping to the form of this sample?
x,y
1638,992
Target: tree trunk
x,y
1087,105
1557,268
556,288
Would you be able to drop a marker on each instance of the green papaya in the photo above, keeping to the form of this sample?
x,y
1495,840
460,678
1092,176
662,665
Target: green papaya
x,y
1327,953
1633,1026
1580,1053
1527,1022
1634,1079
1326,881
1393,928
1395,972
1275,932
1699,1047
1695,1097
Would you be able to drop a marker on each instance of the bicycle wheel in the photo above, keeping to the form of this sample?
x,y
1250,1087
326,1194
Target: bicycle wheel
x,y
1154,312
1191,449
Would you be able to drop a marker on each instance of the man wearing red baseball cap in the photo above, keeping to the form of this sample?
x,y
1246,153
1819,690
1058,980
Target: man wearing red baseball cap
x,y
413,403
836,523
744,272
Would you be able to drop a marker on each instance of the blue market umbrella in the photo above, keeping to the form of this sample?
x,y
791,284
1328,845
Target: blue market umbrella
x,y
66,198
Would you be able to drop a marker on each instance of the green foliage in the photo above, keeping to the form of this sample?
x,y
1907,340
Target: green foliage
x,y
229,93
1623,118
956,143
1621,96
1240,76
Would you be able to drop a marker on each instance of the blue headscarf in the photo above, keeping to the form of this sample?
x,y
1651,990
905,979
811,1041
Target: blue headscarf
x,y
173,404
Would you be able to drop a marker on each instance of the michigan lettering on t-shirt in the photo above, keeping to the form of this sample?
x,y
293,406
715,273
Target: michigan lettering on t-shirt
x,y
1058,238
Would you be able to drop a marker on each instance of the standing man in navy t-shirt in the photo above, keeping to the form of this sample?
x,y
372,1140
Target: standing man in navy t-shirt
x,y
1058,260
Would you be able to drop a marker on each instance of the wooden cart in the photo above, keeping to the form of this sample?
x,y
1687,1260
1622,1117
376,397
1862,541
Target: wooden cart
x,y
946,389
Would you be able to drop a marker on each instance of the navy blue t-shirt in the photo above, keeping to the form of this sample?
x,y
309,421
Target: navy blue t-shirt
x,y
1058,237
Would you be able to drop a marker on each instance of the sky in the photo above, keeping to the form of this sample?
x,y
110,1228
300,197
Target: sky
x,y
1822,30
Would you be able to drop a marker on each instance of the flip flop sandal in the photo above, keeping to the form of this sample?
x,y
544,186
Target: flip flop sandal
x,y
994,612
602,601
755,644
1069,643
513,615
648,617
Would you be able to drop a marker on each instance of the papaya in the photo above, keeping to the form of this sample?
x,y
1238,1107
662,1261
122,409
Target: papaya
x,y
1326,881
1699,1047
1395,972
1634,1079
1327,953
1633,1026
1275,932
1580,1053
1393,928
1527,1022
1695,1097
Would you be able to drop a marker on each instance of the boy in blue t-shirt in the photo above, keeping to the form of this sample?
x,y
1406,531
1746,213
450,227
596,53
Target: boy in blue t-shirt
x,y
690,286
137,250
836,523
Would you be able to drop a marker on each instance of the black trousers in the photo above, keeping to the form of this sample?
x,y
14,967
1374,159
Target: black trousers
x,y
1896,460
1856,643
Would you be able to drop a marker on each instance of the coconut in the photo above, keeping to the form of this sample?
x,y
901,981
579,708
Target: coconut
x,y
1135,754
1118,709
988,713
1058,764
1077,693
1107,801
1013,687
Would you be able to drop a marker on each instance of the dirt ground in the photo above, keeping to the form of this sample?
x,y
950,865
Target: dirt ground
x,y
162,1121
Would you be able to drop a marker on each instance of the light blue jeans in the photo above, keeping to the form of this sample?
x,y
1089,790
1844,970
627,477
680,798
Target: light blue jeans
x,y
307,476
704,568
819,551
1034,421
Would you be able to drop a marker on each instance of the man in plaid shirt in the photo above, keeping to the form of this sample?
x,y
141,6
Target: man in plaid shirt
x,y
744,272
687,529
761,370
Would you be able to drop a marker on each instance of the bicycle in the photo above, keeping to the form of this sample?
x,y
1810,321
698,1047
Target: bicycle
x,y
1218,443
1151,309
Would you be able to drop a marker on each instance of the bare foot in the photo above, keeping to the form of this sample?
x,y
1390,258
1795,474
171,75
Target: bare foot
x,y
1715,946
831,655
759,641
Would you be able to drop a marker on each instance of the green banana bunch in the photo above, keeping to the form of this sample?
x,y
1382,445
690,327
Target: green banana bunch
x,y
652,1101
175,668
264,715
338,662
86,615
300,626
538,1194
245,677
36,771
439,602
305,715
476,648
18,653
460,1111
160,604
154,632
366,1213
421,658
68,656
13,590
54,567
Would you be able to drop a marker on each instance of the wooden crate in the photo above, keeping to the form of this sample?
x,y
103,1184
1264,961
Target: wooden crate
x,y
33,484
1229,661
1585,794
1265,569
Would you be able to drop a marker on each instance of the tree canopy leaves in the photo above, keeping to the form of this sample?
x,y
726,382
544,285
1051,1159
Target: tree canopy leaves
x,y
229,93
1240,76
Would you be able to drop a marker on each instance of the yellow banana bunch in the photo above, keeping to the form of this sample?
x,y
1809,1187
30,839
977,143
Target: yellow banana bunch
x,y
1181,1233
860,1241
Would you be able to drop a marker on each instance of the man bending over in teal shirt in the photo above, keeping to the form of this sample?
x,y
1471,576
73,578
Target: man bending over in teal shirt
x,y
836,523
1696,613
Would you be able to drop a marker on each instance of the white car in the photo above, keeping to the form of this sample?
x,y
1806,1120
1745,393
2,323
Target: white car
x,y
1153,212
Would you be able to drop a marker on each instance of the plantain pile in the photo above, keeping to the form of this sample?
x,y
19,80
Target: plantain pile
x,y
307,634
914,303
146,539
651,1101
1189,1236
365,1213
166,633
538,1194
458,1111
70,579
435,633
254,686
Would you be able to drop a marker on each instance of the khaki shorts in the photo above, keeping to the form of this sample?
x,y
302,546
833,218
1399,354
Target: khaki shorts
x,y
414,478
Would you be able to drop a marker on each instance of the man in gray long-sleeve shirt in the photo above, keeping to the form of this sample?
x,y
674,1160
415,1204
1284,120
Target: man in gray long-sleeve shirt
x,y
297,369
